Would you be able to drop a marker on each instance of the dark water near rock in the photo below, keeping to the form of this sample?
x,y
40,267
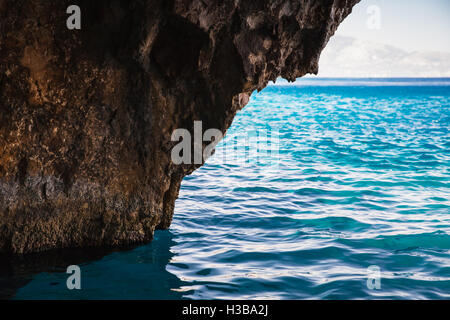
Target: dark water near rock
x,y
356,174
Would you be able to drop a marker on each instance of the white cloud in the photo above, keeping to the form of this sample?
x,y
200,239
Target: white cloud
x,y
350,57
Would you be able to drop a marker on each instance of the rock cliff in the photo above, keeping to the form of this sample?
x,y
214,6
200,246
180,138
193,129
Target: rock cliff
x,y
86,116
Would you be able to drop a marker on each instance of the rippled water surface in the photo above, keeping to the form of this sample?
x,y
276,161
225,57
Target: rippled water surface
x,y
361,178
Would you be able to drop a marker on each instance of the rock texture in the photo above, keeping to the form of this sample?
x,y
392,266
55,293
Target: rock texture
x,y
86,116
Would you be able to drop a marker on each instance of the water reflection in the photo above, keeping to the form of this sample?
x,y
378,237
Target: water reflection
x,y
133,273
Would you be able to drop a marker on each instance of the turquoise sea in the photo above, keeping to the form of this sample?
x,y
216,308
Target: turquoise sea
x,y
355,175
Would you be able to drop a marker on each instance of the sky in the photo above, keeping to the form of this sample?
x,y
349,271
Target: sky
x,y
410,25
391,38
351,57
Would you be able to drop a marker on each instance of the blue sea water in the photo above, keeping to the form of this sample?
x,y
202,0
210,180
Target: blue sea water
x,y
360,178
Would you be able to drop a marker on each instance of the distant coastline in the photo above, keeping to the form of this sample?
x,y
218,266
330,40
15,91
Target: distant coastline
x,y
363,81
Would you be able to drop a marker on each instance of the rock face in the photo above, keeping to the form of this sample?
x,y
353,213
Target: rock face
x,y
86,116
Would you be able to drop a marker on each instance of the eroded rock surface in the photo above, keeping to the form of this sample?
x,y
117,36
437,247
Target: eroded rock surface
x,y
86,116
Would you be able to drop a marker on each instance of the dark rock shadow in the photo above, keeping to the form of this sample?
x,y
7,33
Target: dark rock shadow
x,y
106,273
